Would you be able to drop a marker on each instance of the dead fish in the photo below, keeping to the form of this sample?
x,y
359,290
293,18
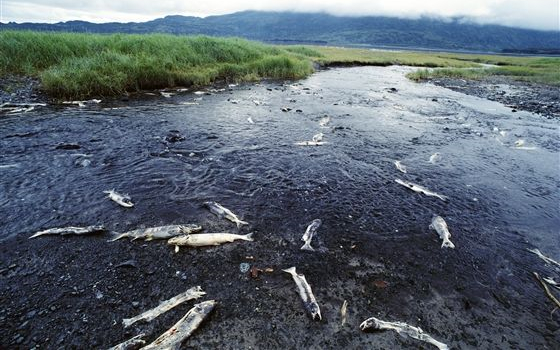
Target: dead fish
x,y
309,234
192,293
435,158
131,344
544,257
310,143
159,232
325,121
552,282
400,167
122,200
181,330
420,189
343,312
403,329
250,120
305,292
207,239
318,137
222,212
257,103
440,226
71,230
166,94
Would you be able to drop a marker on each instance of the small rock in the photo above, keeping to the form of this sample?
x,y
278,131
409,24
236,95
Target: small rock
x,y
299,111
286,109
135,304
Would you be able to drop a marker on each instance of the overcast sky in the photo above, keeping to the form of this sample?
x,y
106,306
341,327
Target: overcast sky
x,y
538,14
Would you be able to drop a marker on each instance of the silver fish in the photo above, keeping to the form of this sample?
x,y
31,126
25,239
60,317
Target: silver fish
x,y
318,137
305,292
420,189
434,158
222,212
309,234
207,239
173,337
71,230
400,166
122,200
403,329
160,232
544,257
311,143
440,226
192,293
134,343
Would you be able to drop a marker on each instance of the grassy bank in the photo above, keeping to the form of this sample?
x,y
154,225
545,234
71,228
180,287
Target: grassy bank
x,y
85,65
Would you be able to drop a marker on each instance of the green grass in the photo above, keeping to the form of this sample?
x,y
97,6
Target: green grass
x,y
84,65
75,66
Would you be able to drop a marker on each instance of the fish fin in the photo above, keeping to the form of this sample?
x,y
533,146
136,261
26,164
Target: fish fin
x,y
447,244
291,270
248,237
307,246
119,236
240,222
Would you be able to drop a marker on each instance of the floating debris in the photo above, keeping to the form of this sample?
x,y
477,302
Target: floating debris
x,y
309,234
233,101
8,166
257,103
305,292
81,104
192,293
435,158
199,93
420,189
134,343
68,146
440,226
400,166
285,109
14,108
173,338
207,239
159,232
325,121
520,144
318,137
221,212
552,282
310,143
403,329
166,94
189,103
543,257
244,267
343,312
250,120
547,290
122,200
71,230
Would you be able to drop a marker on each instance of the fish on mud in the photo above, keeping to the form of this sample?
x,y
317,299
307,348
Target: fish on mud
x,y
318,137
310,143
207,239
325,121
305,292
181,330
344,312
310,232
544,257
435,158
134,343
122,200
218,210
71,230
192,293
420,189
440,226
552,282
159,232
400,166
374,324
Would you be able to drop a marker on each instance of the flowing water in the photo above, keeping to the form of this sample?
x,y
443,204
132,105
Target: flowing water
x,y
237,147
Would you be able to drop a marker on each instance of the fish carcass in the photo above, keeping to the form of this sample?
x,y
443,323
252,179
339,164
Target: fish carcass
x,y
192,293
420,189
207,239
305,292
403,329
309,234
175,335
120,199
400,166
440,226
71,230
220,211
159,232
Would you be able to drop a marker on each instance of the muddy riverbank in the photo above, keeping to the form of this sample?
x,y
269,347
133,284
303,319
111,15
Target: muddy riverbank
x,y
237,147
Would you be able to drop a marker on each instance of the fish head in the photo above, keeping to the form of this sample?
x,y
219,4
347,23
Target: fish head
x,y
178,240
205,307
370,324
189,228
314,310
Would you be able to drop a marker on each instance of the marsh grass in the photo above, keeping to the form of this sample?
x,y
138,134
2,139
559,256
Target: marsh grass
x,y
83,65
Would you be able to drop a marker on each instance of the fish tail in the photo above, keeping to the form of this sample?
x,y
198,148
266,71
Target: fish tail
x,y
248,237
307,246
240,222
118,236
291,270
447,244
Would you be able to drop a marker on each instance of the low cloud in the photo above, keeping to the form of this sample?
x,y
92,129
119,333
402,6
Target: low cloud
x,y
537,14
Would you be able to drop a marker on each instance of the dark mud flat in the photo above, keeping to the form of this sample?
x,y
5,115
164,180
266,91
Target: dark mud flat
x,y
374,248
518,95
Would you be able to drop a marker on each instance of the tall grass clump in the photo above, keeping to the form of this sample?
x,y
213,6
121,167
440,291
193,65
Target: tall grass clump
x,y
74,65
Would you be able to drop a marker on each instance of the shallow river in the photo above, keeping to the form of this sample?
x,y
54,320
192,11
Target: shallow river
x,y
237,147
